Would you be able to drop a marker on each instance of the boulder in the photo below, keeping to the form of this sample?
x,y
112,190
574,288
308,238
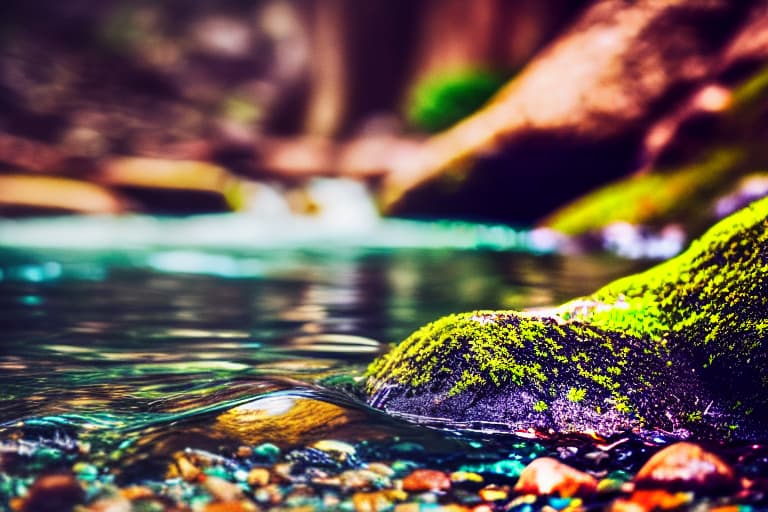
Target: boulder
x,y
679,348
694,157
574,117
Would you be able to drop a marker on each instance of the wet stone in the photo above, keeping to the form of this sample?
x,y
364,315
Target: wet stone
x,y
426,480
494,493
363,479
550,476
313,457
651,499
54,493
686,466
267,451
221,489
258,477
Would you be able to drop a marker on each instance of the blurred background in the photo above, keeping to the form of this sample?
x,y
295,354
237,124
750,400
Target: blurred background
x,y
579,116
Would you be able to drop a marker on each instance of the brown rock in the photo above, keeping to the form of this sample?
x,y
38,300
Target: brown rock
x,y
549,476
371,501
34,194
176,185
54,493
686,466
137,492
188,471
258,477
221,489
426,480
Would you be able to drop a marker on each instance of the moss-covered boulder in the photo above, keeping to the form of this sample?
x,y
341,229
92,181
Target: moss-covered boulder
x,y
679,348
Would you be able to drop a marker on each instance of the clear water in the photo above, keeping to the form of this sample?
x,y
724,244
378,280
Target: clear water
x,y
162,345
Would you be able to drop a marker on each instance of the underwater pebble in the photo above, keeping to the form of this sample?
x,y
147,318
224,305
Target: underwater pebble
x,y
686,466
234,506
362,479
494,493
85,471
403,467
267,451
258,477
381,469
283,471
221,489
330,445
607,485
53,493
546,475
269,495
377,501
426,480
645,500
136,492
111,504
188,471
461,477
243,452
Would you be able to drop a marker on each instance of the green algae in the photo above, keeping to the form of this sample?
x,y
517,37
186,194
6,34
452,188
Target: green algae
x,y
680,346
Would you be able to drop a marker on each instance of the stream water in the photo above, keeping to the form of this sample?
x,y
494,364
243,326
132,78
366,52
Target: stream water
x,y
125,354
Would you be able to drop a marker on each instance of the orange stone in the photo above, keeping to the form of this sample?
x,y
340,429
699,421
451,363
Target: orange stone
x,y
546,475
231,506
651,499
423,480
686,466
136,492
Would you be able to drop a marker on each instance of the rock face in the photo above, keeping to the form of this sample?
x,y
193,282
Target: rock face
x,y
693,156
581,106
679,348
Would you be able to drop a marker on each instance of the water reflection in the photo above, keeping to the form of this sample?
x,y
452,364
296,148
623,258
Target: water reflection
x,y
165,355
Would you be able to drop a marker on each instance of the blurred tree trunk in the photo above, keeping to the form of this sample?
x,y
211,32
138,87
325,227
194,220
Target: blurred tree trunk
x,y
365,54
502,34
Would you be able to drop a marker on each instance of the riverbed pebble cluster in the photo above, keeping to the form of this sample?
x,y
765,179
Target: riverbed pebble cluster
x,y
400,476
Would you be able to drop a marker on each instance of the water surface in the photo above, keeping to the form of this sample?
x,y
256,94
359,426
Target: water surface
x,y
139,349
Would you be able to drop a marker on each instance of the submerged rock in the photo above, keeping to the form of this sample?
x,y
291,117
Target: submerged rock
x,y
686,466
678,348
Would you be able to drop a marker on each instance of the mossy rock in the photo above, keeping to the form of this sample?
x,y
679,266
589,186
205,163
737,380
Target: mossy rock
x,y
679,348
722,147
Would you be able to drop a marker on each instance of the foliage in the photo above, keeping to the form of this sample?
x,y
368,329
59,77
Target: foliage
x,y
443,99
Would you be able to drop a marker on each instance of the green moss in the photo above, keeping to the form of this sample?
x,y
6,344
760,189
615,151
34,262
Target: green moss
x,y
651,198
576,395
654,347
681,193
750,93
443,99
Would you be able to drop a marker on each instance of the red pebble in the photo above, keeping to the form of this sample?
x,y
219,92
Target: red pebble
x,y
426,480
550,476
